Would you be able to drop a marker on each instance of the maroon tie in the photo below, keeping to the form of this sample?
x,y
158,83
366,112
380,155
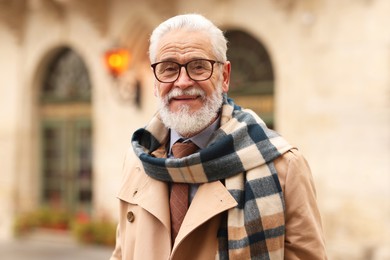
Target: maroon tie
x,y
178,201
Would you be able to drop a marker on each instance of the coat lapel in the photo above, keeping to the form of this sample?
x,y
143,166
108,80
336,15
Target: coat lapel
x,y
210,200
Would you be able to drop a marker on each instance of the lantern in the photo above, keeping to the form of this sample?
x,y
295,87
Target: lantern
x,y
117,61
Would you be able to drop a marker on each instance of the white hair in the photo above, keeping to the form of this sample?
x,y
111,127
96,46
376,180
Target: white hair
x,y
195,22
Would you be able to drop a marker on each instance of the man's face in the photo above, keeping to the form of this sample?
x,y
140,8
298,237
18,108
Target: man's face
x,y
183,46
186,105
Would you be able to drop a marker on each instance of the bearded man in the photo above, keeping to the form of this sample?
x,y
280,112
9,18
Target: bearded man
x,y
206,179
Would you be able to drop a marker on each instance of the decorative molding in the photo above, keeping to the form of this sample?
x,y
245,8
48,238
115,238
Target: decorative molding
x,y
13,16
287,5
164,8
96,11
292,5
50,7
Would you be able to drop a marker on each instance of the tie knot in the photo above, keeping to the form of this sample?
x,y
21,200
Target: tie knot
x,y
180,150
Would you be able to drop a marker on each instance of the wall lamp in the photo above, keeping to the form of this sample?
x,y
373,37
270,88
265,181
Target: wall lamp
x,y
128,86
117,61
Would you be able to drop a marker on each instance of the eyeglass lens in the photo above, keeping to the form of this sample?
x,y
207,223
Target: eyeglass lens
x,y
168,71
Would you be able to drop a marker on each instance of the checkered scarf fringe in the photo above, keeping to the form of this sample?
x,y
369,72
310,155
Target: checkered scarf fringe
x,y
241,154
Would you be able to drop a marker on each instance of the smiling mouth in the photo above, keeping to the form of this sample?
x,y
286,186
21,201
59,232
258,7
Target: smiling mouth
x,y
184,98
187,95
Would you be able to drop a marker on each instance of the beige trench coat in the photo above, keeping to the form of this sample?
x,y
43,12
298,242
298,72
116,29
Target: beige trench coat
x,y
144,221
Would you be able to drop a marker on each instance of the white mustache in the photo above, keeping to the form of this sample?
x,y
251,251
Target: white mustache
x,y
189,92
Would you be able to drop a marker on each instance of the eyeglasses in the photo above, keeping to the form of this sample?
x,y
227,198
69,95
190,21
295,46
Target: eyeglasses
x,y
198,70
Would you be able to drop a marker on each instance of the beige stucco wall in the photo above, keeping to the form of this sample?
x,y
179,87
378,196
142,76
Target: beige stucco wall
x,y
8,131
331,60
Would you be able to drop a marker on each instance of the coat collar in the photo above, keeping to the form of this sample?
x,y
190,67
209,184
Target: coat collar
x,y
153,196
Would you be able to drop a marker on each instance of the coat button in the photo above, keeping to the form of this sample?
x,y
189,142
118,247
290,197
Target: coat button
x,y
130,216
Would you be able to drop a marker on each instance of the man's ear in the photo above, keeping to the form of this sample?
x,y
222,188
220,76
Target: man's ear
x,y
226,76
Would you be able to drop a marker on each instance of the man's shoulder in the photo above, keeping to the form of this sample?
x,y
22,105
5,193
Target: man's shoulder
x,y
292,156
292,163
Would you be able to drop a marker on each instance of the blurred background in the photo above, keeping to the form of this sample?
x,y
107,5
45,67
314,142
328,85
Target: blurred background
x,y
75,82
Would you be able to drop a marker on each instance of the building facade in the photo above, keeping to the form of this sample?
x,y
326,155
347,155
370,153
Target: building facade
x,y
316,71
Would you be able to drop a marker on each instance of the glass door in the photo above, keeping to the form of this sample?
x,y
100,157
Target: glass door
x,y
66,133
67,165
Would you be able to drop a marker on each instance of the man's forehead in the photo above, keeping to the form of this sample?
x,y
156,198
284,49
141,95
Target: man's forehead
x,y
184,43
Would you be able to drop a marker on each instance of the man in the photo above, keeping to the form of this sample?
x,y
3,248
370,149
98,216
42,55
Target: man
x,y
243,191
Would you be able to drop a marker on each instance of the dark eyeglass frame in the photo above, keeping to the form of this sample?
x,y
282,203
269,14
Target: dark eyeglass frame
x,y
212,62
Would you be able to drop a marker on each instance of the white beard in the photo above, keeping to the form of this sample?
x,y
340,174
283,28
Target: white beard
x,y
183,121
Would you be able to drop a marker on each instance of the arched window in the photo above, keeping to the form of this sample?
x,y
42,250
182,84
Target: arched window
x,y
66,78
66,133
252,78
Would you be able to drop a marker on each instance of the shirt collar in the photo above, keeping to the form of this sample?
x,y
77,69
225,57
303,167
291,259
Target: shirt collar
x,y
201,139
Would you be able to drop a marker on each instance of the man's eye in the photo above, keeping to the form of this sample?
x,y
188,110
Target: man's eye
x,y
171,68
199,67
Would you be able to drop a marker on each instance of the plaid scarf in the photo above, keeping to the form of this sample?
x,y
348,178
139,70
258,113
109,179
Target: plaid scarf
x,y
240,154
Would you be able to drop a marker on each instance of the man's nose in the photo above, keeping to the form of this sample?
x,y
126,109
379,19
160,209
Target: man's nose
x,y
183,81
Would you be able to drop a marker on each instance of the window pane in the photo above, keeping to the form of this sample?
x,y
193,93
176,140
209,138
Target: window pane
x,y
55,165
84,157
67,78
